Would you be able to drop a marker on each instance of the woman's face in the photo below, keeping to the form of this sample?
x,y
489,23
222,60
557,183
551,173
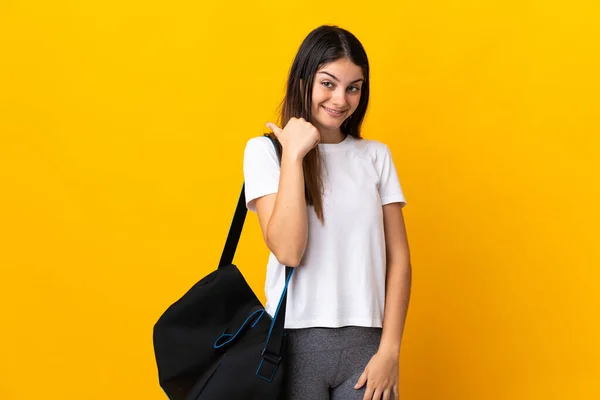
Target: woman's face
x,y
336,94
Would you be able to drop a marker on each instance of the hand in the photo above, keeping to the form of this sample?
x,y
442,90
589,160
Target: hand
x,y
381,377
298,137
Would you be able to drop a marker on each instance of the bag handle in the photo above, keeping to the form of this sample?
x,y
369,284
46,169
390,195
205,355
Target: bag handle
x,y
271,354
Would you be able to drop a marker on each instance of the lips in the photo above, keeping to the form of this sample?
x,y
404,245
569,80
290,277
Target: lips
x,y
333,112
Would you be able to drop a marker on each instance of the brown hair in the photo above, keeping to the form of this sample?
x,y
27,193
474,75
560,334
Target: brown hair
x,y
325,44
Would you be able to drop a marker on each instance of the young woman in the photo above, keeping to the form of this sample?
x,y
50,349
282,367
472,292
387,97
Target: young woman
x,y
330,204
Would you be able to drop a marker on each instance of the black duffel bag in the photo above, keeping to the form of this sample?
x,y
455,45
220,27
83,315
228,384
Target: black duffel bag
x,y
217,341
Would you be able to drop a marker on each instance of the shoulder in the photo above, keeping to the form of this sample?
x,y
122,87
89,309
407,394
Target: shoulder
x,y
374,149
260,153
259,142
260,145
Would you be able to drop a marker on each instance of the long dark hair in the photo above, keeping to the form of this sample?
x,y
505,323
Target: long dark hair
x,y
325,44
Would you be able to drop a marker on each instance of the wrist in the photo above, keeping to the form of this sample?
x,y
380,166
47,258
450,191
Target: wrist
x,y
292,157
391,349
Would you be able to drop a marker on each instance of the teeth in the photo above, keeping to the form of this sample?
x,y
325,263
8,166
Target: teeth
x,y
333,111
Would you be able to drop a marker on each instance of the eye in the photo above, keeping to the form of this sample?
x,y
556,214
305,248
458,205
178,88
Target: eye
x,y
325,83
354,87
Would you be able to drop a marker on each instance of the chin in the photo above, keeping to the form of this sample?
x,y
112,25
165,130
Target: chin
x,y
330,122
329,125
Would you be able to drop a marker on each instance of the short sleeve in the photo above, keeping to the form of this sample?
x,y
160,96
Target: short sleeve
x,y
261,170
390,190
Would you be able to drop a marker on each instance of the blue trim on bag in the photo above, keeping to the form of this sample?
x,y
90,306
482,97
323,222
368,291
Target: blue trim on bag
x,y
287,281
260,376
257,319
230,337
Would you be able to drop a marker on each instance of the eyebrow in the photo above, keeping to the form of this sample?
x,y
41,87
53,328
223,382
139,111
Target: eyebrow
x,y
324,72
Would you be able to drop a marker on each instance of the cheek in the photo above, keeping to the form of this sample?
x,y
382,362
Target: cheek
x,y
317,101
317,96
315,104
355,102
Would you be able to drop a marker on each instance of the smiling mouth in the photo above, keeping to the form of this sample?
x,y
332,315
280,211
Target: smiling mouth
x,y
332,111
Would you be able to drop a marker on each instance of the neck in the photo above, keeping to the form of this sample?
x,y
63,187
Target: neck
x,y
331,136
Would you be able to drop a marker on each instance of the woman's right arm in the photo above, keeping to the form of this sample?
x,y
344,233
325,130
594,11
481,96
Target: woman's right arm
x,y
283,217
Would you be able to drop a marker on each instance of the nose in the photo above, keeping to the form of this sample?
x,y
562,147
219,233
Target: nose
x,y
339,98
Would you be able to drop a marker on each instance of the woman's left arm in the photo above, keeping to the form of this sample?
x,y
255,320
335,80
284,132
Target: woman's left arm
x,y
381,374
398,278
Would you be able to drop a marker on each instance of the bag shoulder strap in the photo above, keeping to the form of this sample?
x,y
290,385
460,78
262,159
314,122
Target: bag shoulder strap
x,y
235,231
237,225
271,355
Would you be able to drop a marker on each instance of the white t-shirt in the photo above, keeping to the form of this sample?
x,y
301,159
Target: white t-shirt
x,y
341,278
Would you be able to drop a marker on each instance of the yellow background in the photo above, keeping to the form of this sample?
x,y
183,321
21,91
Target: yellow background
x,y
122,129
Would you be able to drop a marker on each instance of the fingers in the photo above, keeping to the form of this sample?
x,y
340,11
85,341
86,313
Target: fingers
x,y
377,395
369,393
276,130
362,380
387,394
373,393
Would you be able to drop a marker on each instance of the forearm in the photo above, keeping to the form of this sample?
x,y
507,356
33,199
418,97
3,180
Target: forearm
x,y
397,297
287,230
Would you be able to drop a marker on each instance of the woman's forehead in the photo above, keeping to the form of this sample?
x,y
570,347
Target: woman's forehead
x,y
343,69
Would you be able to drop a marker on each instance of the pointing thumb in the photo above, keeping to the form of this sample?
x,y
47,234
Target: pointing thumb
x,y
273,127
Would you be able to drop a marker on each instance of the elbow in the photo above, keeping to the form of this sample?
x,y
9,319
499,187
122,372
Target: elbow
x,y
289,251
290,262
289,258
